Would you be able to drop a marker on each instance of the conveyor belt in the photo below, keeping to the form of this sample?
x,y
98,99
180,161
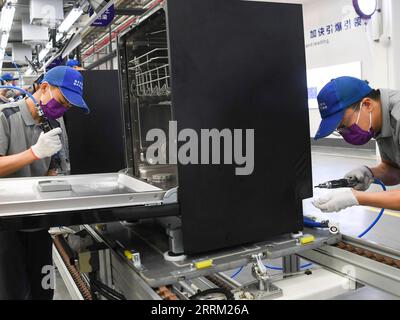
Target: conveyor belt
x,y
76,276
369,254
361,260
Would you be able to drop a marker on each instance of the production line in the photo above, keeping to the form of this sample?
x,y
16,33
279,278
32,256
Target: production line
x,y
146,215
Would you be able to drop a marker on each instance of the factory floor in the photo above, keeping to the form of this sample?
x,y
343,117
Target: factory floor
x,y
333,163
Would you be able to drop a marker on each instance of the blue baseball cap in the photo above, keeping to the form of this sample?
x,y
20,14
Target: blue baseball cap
x,y
8,77
335,98
70,83
73,63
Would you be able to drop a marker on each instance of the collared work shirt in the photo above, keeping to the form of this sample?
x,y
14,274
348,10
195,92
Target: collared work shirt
x,y
18,132
389,138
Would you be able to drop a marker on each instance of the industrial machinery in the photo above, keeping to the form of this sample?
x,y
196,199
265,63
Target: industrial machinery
x,y
165,229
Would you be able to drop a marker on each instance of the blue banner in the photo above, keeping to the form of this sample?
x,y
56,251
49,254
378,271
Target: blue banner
x,y
106,18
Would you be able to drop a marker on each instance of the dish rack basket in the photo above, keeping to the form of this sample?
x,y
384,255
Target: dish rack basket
x,y
152,74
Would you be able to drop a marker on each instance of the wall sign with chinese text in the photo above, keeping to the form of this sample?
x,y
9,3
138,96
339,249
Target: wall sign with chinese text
x,y
106,18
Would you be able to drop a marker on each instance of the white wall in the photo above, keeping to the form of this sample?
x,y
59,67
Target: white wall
x,y
347,46
394,54
380,60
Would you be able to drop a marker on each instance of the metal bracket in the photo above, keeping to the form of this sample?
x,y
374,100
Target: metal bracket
x,y
263,288
171,196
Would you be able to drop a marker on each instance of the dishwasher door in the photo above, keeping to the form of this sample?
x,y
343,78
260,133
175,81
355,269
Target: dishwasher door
x,y
86,199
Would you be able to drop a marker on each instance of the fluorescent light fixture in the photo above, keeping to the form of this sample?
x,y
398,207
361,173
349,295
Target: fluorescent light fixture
x,y
4,40
365,8
28,71
7,17
43,53
71,18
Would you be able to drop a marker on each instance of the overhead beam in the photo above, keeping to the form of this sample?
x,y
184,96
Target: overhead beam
x,y
129,11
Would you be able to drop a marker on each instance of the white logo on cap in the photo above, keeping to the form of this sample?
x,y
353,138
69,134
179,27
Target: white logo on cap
x,y
79,84
323,106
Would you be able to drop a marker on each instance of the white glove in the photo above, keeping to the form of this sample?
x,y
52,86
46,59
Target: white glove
x,y
364,175
48,144
336,201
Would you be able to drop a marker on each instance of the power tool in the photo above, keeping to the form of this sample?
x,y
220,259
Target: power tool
x,y
336,184
44,123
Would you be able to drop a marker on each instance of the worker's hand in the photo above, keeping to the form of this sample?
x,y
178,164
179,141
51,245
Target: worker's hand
x,y
363,175
48,144
336,201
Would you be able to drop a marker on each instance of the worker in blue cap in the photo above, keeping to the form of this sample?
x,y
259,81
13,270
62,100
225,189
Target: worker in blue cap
x,y
350,108
7,95
9,79
26,151
75,64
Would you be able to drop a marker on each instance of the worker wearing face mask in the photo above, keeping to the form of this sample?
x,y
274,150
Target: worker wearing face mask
x,y
351,108
9,95
26,151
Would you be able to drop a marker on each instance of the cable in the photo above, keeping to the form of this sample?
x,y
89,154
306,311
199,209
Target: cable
x,y
103,293
21,90
107,289
305,266
229,295
310,223
373,224
313,224
237,272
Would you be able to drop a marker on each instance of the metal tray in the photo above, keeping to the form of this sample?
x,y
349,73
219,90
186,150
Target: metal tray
x,y
21,196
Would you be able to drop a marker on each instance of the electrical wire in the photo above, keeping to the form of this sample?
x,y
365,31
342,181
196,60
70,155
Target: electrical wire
x,y
229,295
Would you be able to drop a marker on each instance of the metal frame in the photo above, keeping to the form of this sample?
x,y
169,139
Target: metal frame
x,y
156,271
72,288
358,268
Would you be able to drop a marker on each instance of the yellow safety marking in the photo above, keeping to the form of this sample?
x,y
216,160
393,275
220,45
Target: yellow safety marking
x,y
307,239
128,254
387,212
203,264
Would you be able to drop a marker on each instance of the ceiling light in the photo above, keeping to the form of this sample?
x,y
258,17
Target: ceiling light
x,y
28,72
365,8
4,40
43,53
7,17
70,20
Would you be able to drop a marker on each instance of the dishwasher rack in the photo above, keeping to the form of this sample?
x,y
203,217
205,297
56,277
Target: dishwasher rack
x,y
152,75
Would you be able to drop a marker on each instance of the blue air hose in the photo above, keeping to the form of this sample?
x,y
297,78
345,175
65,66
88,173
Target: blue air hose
x,y
308,222
376,181
305,266
21,90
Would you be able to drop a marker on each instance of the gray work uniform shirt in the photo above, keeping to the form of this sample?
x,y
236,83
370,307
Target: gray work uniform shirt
x,y
18,132
389,138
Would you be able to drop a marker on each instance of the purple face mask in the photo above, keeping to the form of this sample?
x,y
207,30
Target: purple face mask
x,y
53,109
357,136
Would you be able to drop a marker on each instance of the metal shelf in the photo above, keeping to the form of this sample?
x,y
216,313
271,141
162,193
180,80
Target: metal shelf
x,y
152,75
